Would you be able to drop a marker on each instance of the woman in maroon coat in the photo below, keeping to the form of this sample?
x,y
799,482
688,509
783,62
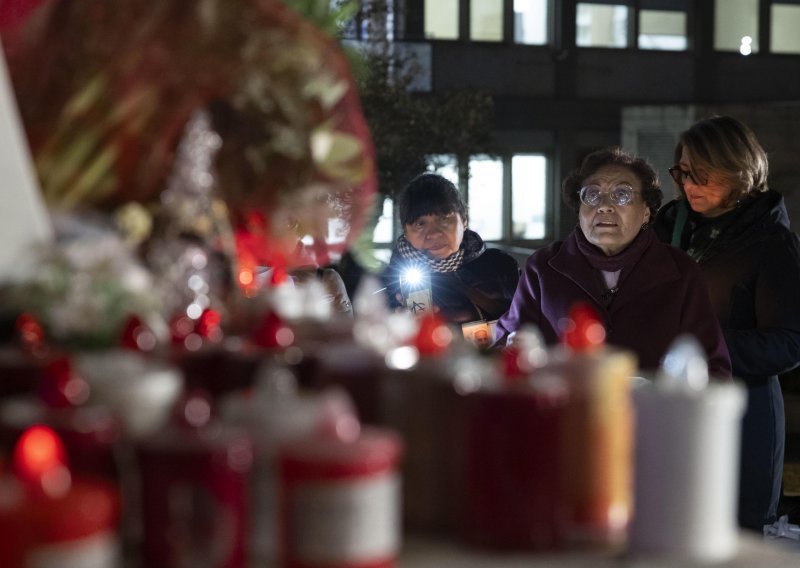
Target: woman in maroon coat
x,y
646,292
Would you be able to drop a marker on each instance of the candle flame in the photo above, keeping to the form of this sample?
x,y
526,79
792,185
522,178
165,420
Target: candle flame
x,y
40,461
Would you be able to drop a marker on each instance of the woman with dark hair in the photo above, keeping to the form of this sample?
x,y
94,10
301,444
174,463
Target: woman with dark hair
x,y
737,230
468,283
645,292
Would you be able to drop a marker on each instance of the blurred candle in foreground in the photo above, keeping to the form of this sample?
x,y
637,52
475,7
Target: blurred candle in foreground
x,y
597,434
512,431
194,490
340,498
687,458
49,519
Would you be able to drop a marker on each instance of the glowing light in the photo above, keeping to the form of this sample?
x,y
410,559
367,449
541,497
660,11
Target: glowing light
x,y
146,340
40,460
57,481
595,333
197,411
746,47
245,277
442,336
273,332
193,342
413,276
284,337
433,336
194,310
196,282
347,428
403,358
30,332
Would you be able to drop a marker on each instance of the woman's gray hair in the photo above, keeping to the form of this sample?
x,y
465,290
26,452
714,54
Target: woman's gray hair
x,y
651,187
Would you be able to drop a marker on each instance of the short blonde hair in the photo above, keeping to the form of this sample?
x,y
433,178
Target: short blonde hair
x,y
725,146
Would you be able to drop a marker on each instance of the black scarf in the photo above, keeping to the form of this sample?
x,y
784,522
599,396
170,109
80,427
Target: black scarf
x,y
705,231
625,259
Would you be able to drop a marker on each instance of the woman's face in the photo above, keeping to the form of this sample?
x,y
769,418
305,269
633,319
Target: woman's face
x,y
438,235
711,198
609,226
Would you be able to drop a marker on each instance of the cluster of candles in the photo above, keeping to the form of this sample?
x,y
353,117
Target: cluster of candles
x,y
314,442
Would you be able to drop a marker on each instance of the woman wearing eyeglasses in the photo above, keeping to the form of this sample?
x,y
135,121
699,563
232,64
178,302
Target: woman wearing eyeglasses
x,y
737,230
646,292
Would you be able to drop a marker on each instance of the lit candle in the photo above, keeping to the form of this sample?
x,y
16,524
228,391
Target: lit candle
x,y
40,462
53,519
597,433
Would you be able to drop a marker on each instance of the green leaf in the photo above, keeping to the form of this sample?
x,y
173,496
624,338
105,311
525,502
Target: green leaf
x,y
338,154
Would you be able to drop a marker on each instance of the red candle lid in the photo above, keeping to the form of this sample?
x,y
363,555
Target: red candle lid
x,y
434,336
137,336
584,331
273,332
30,333
62,386
375,450
58,508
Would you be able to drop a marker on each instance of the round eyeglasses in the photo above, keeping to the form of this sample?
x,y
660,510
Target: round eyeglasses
x,y
679,175
620,195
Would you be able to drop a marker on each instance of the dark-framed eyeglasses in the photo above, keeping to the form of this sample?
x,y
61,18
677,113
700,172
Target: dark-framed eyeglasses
x,y
679,175
620,195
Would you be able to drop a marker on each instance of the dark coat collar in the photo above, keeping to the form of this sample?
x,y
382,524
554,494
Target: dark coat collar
x,y
660,268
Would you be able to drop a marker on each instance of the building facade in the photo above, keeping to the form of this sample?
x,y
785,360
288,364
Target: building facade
x,y
568,77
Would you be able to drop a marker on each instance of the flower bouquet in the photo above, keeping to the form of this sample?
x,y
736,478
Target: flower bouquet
x,y
106,89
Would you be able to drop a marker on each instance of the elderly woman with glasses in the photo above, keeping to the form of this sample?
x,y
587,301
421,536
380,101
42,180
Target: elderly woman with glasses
x,y
645,292
737,230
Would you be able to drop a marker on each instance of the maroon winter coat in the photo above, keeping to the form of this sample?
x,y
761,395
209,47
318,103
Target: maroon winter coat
x,y
662,296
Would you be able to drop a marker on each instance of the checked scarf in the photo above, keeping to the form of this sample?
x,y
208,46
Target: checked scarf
x,y
449,264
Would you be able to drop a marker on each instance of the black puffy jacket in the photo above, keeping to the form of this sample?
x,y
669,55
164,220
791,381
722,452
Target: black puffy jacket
x,y
751,262
481,289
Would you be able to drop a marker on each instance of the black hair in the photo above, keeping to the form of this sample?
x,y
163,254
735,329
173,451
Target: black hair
x,y
429,194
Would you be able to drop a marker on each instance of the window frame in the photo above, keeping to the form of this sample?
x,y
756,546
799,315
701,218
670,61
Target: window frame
x,y
507,241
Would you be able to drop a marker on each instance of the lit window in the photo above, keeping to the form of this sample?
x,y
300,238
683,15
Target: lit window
x,y
785,23
486,20
528,196
441,19
384,228
445,165
486,197
662,29
601,25
530,22
487,192
736,26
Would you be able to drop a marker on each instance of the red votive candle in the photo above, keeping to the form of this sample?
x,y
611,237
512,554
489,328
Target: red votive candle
x,y
194,490
340,499
47,518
